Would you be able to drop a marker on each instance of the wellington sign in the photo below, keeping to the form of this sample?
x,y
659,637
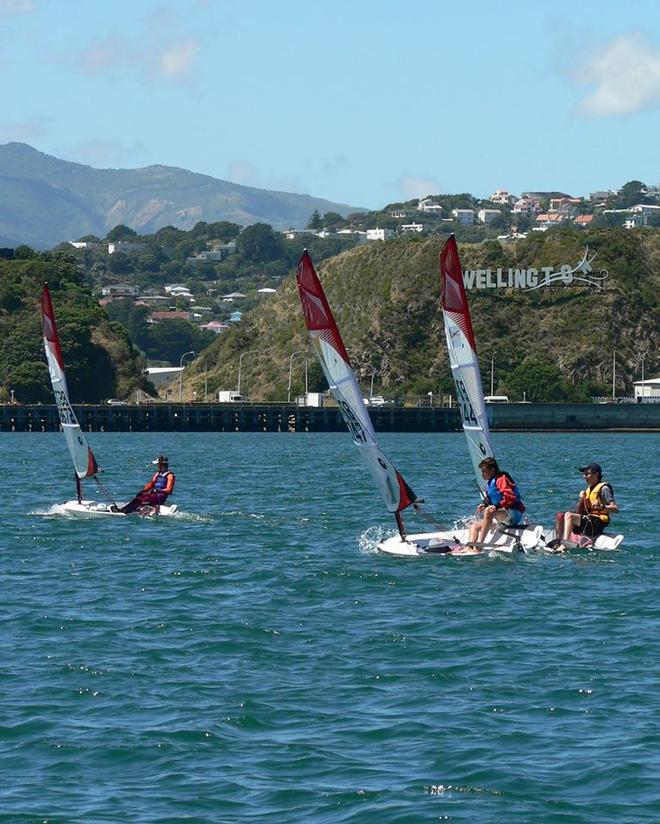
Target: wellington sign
x,y
581,274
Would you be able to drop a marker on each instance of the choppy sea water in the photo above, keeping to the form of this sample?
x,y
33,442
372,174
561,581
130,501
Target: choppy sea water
x,y
257,661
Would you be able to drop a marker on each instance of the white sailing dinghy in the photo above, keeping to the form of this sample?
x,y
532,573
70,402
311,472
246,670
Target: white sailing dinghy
x,y
84,462
338,371
469,390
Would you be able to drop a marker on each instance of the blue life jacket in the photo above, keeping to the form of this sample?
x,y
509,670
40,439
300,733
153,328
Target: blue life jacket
x,y
495,491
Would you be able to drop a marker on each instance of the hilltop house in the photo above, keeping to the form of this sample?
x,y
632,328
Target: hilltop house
x,y
116,291
125,246
488,215
463,216
427,205
503,197
379,234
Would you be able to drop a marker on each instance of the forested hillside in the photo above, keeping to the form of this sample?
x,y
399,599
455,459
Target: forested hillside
x,y
551,344
100,358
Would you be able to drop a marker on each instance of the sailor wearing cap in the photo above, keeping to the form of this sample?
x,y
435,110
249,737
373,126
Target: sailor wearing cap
x,y
595,505
155,491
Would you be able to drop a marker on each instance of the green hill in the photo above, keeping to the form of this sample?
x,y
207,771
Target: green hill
x,y
45,201
100,359
385,296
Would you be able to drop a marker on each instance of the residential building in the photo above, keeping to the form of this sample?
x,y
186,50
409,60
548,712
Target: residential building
x,y
84,244
379,234
214,326
292,234
463,216
583,220
563,205
204,256
546,221
412,227
503,197
526,206
125,246
173,314
120,290
488,215
236,316
428,205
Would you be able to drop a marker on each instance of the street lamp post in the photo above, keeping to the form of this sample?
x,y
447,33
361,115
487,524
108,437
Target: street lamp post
x,y
288,388
430,394
206,382
614,375
185,354
492,374
240,367
12,394
643,388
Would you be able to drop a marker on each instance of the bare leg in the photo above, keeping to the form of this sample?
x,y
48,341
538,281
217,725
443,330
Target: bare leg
x,y
571,519
485,524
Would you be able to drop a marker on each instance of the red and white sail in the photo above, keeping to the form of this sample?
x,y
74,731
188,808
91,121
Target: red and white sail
x,y
341,379
463,358
81,453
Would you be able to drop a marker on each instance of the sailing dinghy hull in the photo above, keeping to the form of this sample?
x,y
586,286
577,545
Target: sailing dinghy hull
x,y
453,543
94,509
605,541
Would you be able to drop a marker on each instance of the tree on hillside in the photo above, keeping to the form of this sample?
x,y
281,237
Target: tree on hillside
x,y
223,230
121,232
260,244
631,194
315,221
24,252
537,381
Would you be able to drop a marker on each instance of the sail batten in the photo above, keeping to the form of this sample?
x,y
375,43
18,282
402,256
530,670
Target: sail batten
x,y
82,456
463,359
335,362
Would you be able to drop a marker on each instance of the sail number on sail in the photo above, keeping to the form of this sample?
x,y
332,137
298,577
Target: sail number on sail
x,y
64,408
467,412
353,424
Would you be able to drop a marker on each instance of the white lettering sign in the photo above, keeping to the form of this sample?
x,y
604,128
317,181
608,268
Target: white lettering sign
x,y
530,279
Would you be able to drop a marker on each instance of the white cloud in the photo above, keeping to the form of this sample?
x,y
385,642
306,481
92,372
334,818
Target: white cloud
x,y
22,130
103,56
412,186
625,74
17,6
177,58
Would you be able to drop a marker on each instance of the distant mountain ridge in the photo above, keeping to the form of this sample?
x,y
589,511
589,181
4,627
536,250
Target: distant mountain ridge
x,y
45,201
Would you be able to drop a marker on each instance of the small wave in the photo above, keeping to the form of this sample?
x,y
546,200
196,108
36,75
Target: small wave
x,y
371,537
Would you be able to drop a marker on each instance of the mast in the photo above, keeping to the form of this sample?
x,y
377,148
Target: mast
x,y
82,456
463,360
336,365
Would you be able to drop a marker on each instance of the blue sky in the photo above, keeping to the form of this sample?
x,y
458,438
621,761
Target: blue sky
x,y
361,102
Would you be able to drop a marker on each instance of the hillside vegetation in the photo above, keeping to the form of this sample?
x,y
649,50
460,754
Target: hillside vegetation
x,y
555,341
99,356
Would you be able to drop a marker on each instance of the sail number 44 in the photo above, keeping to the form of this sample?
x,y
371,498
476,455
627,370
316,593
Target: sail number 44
x,y
64,407
467,412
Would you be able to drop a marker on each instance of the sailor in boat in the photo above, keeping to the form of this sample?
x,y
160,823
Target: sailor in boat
x,y
155,492
595,505
502,503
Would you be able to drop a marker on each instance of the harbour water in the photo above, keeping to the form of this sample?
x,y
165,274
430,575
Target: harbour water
x,y
256,660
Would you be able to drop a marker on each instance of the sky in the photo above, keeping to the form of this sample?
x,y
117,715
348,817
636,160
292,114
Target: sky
x,y
364,103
